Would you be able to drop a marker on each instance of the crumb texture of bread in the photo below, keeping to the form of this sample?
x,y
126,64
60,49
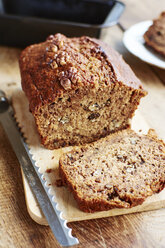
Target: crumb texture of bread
x,y
155,35
118,171
79,89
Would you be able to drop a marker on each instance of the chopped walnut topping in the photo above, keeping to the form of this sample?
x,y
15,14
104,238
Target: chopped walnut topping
x,y
78,79
61,43
62,74
55,56
54,48
62,58
58,39
72,70
54,65
71,73
65,83
62,61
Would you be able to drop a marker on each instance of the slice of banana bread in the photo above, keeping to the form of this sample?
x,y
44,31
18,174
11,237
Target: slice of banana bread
x,y
155,35
118,171
79,89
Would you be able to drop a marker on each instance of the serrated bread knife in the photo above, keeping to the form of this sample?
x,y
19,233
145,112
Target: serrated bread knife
x,y
54,217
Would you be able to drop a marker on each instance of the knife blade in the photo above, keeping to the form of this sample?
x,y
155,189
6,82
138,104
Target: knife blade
x,y
35,179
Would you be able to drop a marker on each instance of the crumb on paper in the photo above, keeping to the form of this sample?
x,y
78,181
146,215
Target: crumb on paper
x,y
53,157
59,183
48,170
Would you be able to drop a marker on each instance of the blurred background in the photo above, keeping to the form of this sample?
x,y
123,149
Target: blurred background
x,y
30,21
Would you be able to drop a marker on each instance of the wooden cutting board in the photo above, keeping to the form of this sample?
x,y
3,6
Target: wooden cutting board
x,y
47,161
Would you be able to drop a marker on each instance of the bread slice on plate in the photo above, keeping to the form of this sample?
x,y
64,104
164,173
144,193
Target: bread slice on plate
x,y
155,35
118,171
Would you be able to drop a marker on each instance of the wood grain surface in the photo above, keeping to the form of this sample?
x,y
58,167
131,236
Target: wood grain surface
x,y
141,230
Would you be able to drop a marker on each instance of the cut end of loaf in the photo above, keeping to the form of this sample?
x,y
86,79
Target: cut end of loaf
x,y
119,171
86,115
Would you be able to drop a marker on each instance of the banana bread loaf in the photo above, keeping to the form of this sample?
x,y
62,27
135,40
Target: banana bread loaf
x,y
155,35
79,89
118,171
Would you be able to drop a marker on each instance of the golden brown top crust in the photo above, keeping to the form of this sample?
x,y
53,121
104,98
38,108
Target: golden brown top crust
x,y
155,35
61,64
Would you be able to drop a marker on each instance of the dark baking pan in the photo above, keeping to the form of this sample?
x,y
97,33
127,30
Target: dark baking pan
x,y
23,22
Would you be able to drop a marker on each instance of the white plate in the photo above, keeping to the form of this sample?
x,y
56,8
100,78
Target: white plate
x,y
134,42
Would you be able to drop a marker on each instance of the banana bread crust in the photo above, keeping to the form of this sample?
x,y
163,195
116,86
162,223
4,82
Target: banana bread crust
x,y
42,66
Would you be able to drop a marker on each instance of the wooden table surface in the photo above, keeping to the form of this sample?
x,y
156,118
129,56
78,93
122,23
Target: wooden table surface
x,y
141,230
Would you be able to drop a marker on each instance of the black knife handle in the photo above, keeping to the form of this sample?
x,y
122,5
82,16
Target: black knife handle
x,y
4,103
